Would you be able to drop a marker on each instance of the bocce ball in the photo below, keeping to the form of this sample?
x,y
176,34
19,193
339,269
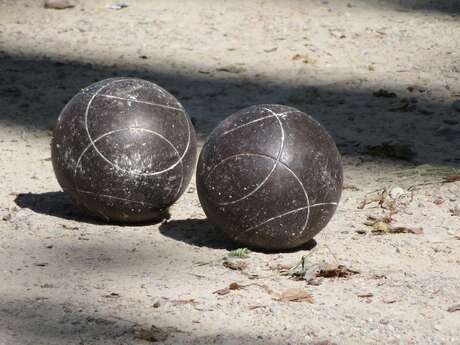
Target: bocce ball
x,y
270,177
124,149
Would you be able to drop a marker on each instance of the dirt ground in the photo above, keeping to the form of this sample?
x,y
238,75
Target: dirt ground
x,y
67,279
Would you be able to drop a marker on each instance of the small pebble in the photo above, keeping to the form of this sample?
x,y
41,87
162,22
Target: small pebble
x,y
396,192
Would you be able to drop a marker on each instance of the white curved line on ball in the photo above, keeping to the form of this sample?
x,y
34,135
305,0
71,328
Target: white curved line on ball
x,y
290,212
307,207
115,165
261,184
136,174
121,169
277,116
257,120
114,197
142,102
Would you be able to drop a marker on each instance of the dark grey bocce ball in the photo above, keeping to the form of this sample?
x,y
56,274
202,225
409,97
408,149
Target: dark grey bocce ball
x,y
124,149
270,177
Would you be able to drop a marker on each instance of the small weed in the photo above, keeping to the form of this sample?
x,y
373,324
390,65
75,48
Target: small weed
x,y
241,253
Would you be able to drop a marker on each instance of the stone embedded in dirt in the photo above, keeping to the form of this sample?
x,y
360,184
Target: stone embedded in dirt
x,y
58,4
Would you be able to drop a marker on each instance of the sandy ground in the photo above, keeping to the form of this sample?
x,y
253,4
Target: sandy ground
x,y
66,279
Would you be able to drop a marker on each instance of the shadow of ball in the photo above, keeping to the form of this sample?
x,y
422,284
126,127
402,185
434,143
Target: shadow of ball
x,y
124,149
270,177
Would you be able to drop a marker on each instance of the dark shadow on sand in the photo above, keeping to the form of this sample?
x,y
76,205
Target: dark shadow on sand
x,y
50,322
201,233
35,89
59,204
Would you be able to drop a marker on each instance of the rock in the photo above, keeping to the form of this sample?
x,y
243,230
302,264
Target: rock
x,y
58,4
396,192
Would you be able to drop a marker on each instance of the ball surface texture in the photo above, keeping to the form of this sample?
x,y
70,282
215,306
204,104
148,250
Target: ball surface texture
x,y
270,177
124,149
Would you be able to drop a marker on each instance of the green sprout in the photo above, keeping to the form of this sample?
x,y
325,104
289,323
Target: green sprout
x,y
241,253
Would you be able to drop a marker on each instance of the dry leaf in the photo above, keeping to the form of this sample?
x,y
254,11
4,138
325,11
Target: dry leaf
x,y
252,307
234,286
386,201
364,295
294,295
438,201
184,301
235,265
454,308
336,271
282,268
389,301
222,292
351,187
381,226
455,211
225,291
310,273
296,57
405,230
376,198
452,178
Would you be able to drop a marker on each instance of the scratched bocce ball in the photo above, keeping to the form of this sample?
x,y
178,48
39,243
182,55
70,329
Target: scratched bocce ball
x,y
270,177
124,149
